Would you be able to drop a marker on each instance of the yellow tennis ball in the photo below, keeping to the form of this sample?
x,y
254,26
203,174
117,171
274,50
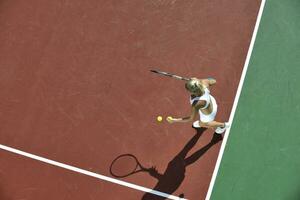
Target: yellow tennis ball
x,y
159,118
169,118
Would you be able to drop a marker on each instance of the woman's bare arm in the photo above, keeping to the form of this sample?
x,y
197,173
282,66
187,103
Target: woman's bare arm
x,y
208,81
195,109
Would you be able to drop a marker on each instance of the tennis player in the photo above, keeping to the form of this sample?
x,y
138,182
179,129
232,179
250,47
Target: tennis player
x,y
204,104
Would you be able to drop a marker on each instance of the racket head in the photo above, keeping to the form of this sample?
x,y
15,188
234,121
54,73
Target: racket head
x,y
154,71
161,72
125,165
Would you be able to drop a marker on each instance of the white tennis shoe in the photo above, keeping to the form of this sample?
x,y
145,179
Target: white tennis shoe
x,y
221,130
196,124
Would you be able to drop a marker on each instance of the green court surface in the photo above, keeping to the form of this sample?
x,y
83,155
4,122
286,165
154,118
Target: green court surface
x,y
261,160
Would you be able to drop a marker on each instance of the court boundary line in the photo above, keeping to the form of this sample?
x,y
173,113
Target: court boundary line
x,y
237,96
89,173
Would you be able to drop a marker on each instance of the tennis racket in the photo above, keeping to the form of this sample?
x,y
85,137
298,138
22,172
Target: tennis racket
x,y
125,165
170,75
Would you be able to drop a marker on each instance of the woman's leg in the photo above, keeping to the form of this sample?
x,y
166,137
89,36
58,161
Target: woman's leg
x,y
212,124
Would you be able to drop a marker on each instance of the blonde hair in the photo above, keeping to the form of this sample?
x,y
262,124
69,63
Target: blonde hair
x,y
194,86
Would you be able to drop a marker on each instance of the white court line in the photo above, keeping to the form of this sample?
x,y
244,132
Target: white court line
x,y
88,173
237,96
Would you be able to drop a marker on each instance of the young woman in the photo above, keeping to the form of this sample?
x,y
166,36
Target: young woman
x,y
204,104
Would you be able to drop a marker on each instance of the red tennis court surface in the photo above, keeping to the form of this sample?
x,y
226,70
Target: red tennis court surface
x,y
76,88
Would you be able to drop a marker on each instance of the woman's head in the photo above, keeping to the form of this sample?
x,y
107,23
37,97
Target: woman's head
x,y
194,86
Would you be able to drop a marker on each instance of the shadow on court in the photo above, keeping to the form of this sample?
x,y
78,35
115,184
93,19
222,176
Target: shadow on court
x,y
171,179
174,175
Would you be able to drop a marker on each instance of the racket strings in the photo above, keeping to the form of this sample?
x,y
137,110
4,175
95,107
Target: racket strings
x,y
123,166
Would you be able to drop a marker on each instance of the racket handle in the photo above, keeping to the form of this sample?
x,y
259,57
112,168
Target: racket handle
x,y
170,75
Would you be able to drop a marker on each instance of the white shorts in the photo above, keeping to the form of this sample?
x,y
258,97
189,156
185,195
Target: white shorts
x,y
211,117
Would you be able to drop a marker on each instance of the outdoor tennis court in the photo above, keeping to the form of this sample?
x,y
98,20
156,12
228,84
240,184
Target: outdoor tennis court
x,y
77,94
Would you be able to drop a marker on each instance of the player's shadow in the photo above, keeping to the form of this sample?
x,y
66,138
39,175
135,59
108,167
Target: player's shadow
x,y
171,179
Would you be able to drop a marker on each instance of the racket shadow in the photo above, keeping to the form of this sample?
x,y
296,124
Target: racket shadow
x,y
174,174
169,181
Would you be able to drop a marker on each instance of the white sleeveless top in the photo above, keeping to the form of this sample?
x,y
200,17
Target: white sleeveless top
x,y
205,97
